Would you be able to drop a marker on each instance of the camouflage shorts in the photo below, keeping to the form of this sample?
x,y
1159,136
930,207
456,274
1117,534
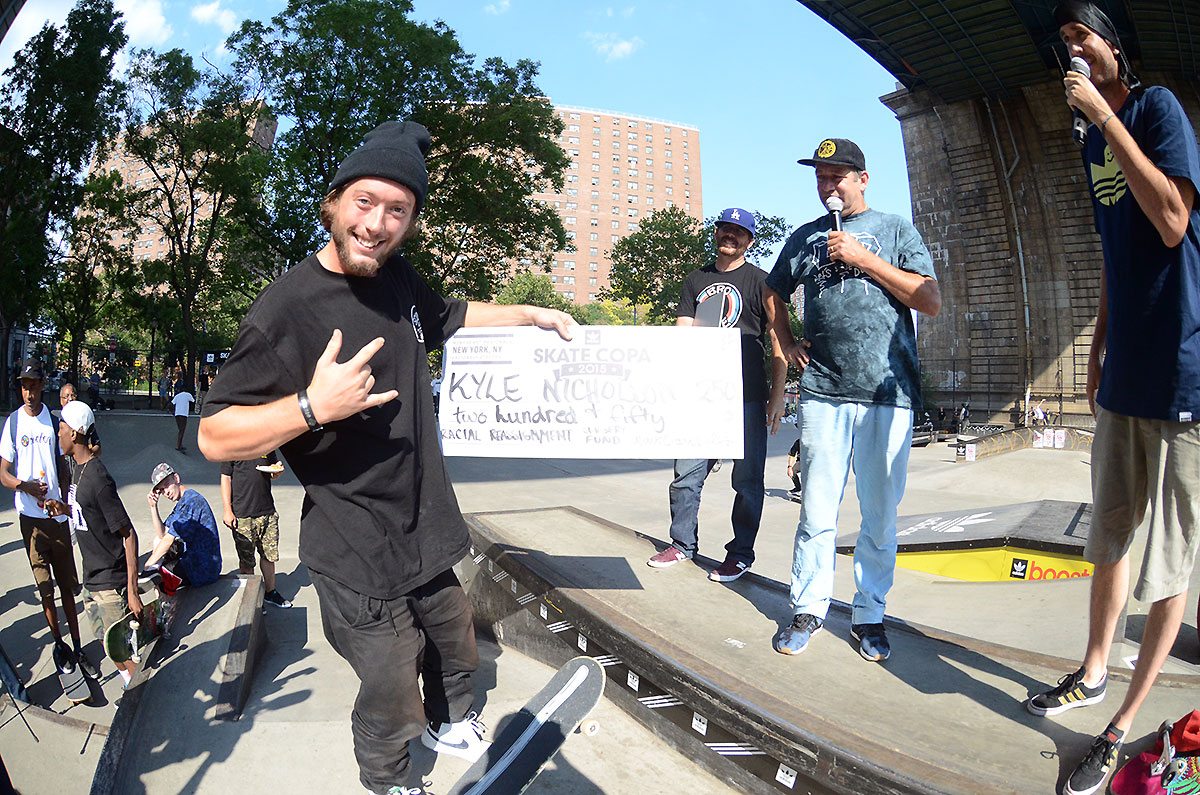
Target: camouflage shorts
x,y
104,608
256,533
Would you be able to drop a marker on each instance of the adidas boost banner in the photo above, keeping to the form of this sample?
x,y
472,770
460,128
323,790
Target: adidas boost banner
x,y
611,392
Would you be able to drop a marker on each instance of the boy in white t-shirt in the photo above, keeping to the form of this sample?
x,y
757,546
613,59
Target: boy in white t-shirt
x,y
32,465
183,401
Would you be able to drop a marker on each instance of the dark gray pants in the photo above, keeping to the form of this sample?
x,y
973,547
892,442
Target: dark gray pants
x,y
428,632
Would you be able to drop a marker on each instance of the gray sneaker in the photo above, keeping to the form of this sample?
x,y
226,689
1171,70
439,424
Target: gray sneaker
x,y
794,638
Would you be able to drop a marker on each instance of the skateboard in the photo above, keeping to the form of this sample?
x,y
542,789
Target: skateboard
x,y
125,639
536,733
70,676
1162,773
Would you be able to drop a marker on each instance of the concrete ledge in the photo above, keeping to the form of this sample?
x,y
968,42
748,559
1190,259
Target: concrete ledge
x,y
234,673
236,667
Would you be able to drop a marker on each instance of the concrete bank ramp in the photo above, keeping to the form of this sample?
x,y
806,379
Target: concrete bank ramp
x,y
692,659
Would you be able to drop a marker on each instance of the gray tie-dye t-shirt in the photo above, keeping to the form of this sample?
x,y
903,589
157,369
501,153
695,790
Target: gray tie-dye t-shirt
x,y
864,345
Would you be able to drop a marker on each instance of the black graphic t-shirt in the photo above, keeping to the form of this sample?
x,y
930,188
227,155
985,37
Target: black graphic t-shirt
x,y
249,488
100,522
736,298
379,515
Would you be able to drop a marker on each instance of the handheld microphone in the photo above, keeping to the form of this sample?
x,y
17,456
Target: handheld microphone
x,y
835,204
1079,124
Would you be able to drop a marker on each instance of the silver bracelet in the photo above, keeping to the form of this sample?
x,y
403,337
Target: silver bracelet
x,y
1104,123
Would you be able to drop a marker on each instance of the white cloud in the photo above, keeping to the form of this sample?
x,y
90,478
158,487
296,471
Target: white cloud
x,y
145,23
628,12
497,8
613,47
213,14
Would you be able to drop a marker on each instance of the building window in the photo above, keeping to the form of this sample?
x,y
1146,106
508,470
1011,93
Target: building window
x,y
553,279
573,127
569,265
595,208
570,234
570,219
670,190
593,251
632,226
572,178
631,185
614,238
572,192
632,124
632,147
633,172
633,212
595,167
596,155
616,225
595,180
595,194
593,266
568,280
591,281
595,237
594,221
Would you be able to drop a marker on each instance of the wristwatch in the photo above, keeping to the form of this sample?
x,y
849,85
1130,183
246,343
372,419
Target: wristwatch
x,y
306,410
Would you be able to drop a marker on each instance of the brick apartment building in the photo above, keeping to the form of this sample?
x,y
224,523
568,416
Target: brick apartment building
x,y
623,167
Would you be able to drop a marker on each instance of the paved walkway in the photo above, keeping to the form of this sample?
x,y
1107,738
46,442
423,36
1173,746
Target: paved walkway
x,y
295,732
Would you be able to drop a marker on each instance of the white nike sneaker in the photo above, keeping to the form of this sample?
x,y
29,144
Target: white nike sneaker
x,y
463,739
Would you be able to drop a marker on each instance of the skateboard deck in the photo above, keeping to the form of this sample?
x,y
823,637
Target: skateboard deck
x,y
535,734
124,639
70,676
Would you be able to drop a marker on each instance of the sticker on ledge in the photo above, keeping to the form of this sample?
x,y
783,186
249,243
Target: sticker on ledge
x,y
699,723
786,776
542,610
634,681
582,642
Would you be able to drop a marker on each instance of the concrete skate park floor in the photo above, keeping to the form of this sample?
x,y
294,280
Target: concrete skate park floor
x,y
295,733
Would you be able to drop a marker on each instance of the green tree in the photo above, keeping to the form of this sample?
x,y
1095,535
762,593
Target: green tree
x,y
58,99
648,265
92,273
531,288
335,71
608,312
191,133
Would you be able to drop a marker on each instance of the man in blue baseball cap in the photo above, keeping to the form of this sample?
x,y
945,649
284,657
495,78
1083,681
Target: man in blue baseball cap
x,y
728,294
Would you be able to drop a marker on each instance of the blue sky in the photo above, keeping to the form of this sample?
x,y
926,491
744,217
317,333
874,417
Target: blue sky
x,y
764,80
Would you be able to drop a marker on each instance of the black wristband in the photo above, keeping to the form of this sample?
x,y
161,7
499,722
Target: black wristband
x,y
306,410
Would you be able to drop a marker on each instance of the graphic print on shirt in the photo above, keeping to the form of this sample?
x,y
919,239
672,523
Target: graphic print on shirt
x,y
834,273
416,324
1108,180
731,302
78,523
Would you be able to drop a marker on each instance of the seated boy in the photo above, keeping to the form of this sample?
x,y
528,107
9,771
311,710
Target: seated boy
x,y
186,541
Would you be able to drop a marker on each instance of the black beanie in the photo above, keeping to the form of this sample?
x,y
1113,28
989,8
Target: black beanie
x,y
394,150
1088,15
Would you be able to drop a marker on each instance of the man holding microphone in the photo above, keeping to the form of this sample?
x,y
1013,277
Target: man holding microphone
x,y
1142,162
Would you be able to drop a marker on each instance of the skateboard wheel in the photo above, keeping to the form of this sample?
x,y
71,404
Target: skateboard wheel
x,y
589,728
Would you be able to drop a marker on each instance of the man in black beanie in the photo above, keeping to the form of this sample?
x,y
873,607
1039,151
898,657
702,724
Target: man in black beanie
x,y
381,527
1143,165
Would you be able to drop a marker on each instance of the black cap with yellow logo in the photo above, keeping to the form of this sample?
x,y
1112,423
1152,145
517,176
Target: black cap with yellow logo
x,y
837,152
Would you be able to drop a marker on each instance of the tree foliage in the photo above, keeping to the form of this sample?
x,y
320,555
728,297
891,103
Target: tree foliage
x,y
335,71
649,265
534,289
608,312
94,273
197,174
58,99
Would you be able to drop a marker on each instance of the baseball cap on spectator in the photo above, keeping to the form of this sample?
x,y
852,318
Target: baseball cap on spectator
x,y
32,368
739,217
78,416
160,473
837,152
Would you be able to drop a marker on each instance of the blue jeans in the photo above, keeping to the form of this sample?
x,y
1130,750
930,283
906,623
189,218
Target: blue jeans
x,y
877,439
747,483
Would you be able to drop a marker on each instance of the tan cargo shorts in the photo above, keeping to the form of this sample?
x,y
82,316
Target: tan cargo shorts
x,y
1135,462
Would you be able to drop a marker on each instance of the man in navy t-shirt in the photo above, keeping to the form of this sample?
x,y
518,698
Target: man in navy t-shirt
x,y
188,534
1143,166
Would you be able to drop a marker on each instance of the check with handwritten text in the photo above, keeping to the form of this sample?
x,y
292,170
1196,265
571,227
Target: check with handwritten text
x,y
611,392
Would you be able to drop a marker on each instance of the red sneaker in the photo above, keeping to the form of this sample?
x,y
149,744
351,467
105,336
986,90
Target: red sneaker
x,y
728,571
668,557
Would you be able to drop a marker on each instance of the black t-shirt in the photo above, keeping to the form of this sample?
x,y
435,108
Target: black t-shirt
x,y
379,515
738,294
250,489
100,521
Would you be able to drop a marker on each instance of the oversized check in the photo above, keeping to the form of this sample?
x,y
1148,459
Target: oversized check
x,y
611,392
